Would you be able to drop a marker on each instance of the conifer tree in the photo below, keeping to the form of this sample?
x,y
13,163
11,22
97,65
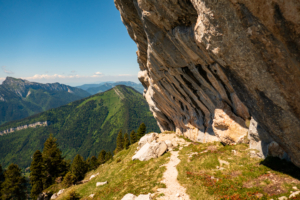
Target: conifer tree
x,y
14,186
133,138
141,131
78,167
36,175
120,142
93,163
54,164
108,156
69,179
1,179
126,141
101,157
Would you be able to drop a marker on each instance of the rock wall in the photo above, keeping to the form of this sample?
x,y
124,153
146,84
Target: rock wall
x,y
34,125
209,65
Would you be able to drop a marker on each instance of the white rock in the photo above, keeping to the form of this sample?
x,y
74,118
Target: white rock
x,y
283,198
54,196
60,192
295,188
234,152
129,197
92,195
93,176
101,183
294,194
143,197
148,138
169,144
148,151
177,195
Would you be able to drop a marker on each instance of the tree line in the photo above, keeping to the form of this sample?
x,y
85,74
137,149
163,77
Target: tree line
x,y
50,167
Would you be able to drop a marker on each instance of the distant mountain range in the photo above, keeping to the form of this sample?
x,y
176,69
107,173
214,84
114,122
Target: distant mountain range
x,y
82,127
20,98
102,87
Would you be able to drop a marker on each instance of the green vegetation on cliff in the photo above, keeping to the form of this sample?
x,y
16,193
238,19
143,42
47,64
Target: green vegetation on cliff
x,y
82,127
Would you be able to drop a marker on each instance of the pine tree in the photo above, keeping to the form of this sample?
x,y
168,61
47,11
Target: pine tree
x,y
54,164
1,179
14,186
36,175
141,131
120,142
79,167
133,138
101,157
108,156
69,180
126,141
93,163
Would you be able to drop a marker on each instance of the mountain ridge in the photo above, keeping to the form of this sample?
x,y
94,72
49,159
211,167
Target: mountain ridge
x,y
82,127
21,98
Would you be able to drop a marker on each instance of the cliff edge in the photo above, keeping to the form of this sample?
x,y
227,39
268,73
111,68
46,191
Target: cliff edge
x,y
208,66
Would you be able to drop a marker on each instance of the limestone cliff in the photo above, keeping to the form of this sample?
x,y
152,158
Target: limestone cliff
x,y
209,65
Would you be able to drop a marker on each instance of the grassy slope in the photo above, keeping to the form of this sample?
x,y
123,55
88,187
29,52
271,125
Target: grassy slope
x,y
85,126
123,176
244,178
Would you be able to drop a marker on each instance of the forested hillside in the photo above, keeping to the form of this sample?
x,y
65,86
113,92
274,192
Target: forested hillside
x,y
20,98
82,127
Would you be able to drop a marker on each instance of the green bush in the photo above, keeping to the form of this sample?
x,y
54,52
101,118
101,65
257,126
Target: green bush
x,y
69,179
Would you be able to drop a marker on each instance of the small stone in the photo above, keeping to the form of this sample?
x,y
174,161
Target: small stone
x,y
234,152
177,195
259,195
92,195
101,183
295,188
283,198
294,194
218,167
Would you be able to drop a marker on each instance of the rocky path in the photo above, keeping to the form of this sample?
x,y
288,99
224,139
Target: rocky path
x,y
174,190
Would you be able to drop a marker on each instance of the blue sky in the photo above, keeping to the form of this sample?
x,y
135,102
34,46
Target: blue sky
x,y
67,41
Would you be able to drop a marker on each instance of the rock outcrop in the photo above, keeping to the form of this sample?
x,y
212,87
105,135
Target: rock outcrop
x,y
34,125
198,56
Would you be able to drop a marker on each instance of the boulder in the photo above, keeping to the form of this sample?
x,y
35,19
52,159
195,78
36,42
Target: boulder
x,y
159,148
150,150
148,138
145,153
92,195
101,183
169,144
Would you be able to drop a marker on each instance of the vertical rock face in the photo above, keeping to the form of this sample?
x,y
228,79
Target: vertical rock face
x,y
207,64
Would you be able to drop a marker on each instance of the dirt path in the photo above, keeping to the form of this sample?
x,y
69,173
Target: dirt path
x,y
174,190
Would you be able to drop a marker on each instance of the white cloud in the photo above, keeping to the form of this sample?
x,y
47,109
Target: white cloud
x,y
98,73
6,71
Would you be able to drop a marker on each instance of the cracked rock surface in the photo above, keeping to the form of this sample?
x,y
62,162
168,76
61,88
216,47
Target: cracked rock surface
x,y
207,66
